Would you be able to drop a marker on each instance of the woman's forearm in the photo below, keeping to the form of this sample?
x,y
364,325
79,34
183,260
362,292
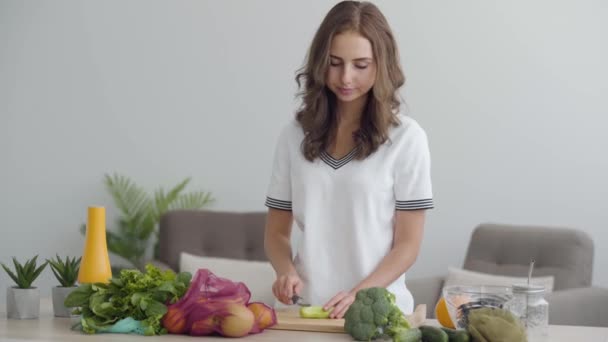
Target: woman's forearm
x,y
408,232
277,241
278,251
394,264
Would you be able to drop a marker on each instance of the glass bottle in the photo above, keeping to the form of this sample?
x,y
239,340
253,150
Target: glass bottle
x,y
530,306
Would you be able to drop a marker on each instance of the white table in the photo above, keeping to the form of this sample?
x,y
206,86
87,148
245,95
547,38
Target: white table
x,y
49,328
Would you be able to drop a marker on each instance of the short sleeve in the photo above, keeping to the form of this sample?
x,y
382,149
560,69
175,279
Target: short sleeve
x,y
413,189
279,189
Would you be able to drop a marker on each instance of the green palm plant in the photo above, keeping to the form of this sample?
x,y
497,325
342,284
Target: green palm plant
x,y
141,213
66,271
25,274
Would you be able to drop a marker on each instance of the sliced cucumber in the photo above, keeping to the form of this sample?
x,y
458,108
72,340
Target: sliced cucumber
x,y
314,312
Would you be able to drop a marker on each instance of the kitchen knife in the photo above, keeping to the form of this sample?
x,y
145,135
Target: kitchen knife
x,y
298,300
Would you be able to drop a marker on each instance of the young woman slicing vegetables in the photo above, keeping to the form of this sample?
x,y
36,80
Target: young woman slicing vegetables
x,y
350,170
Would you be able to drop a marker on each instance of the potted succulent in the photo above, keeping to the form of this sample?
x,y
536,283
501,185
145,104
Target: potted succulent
x,y
66,272
23,300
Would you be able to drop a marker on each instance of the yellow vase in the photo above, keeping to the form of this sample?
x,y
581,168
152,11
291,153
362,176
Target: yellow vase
x,y
95,264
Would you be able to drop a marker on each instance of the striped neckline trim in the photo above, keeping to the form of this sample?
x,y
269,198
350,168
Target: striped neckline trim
x,y
338,163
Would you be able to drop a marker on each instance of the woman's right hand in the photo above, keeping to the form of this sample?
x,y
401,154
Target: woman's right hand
x,y
286,286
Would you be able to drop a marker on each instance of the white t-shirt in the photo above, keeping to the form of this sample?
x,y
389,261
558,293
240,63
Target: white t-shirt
x,y
345,208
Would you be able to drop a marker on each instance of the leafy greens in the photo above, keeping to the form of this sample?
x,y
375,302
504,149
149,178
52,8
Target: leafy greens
x,y
142,296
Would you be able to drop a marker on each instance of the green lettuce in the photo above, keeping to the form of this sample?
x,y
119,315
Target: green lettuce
x,y
141,296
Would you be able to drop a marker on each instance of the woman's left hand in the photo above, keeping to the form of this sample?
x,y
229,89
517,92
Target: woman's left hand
x,y
340,303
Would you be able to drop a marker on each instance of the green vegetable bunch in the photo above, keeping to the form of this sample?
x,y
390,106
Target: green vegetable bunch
x,y
493,324
374,314
66,271
141,296
24,275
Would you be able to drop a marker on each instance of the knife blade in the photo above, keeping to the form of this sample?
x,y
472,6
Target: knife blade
x,y
298,300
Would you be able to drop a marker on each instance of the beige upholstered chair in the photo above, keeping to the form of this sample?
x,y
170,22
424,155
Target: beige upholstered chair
x,y
566,254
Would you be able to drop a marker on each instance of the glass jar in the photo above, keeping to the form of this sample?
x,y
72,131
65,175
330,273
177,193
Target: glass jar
x,y
530,306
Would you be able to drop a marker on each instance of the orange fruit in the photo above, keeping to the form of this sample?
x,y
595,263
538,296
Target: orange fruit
x,y
175,321
442,315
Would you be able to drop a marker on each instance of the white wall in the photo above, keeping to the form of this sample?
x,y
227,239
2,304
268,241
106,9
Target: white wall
x,y
509,94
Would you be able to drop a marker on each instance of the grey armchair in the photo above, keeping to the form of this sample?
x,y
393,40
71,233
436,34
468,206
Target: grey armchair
x,y
566,254
224,234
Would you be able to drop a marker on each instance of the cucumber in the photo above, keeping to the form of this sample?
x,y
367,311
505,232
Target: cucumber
x,y
409,335
433,334
314,312
457,335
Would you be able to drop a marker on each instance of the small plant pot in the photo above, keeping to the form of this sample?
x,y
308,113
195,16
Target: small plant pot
x,y
59,295
22,303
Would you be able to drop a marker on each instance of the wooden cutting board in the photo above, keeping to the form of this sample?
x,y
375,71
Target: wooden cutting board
x,y
289,319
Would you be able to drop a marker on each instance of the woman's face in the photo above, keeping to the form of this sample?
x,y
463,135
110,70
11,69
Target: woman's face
x,y
352,69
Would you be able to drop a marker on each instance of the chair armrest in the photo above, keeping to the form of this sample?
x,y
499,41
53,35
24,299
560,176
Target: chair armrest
x,y
426,290
586,306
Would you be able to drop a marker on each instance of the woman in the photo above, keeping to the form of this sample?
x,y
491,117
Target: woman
x,y
352,172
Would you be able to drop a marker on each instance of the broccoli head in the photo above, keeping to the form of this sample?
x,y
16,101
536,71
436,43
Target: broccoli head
x,y
374,314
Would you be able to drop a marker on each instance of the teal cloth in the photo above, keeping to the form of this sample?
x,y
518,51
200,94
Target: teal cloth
x,y
124,326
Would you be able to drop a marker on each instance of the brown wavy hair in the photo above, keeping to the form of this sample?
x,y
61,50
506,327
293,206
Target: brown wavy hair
x,y
317,114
